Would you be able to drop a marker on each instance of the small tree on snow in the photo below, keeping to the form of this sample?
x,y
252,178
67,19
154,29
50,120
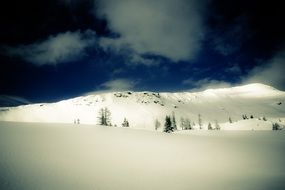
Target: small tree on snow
x,y
182,123
210,126
125,123
230,120
244,117
167,125
188,124
217,126
157,124
200,121
185,124
276,126
173,121
104,117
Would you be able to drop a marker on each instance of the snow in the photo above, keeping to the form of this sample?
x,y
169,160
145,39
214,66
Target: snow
x,y
251,124
68,156
143,108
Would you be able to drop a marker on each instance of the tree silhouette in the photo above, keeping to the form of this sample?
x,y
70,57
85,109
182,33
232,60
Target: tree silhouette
x,y
125,123
230,120
210,126
104,117
167,125
200,121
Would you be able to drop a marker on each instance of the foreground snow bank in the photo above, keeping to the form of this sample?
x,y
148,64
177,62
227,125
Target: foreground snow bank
x,y
62,156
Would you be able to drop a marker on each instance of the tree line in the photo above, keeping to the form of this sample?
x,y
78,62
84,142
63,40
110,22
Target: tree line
x,y
170,125
104,118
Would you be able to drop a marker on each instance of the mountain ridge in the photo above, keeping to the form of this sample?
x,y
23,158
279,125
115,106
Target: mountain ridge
x,y
143,108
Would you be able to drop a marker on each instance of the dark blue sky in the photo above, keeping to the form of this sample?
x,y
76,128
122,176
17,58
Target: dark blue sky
x,y
51,50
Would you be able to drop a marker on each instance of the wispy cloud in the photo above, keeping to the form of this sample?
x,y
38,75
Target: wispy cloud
x,y
206,83
271,73
119,84
234,69
172,29
115,46
60,48
6,100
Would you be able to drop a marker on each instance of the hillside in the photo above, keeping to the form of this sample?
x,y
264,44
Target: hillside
x,y
143,108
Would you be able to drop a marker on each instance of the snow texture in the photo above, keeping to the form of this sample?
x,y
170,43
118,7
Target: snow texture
x,y
70,157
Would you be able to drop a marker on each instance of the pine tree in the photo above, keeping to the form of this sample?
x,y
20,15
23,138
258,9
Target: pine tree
x,y
104,117
276,126
167,125
210,126
188,124
125,123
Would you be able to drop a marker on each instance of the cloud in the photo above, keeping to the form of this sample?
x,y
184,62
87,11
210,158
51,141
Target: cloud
x,y
168,28
132,58
7,101
271,73
234,69
119,84
205,84
60,48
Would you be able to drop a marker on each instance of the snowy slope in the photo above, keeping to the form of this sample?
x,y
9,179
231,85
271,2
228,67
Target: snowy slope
x,y
142,108
66,157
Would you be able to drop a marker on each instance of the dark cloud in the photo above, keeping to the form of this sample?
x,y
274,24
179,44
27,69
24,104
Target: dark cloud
x,y
251,27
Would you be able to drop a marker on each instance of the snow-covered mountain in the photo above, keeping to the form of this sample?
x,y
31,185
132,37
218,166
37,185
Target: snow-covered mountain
x,y
142,108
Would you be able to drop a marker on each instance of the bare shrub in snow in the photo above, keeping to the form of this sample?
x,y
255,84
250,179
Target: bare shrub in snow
x,y
185,124
157,124
200,121
217,126
230,120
